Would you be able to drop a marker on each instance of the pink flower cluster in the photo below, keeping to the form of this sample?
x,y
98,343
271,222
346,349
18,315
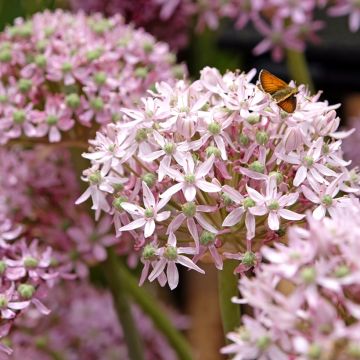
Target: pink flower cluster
x,y
284,24
62,73
26,272
167,20
55,241
215,169
306,298
83,325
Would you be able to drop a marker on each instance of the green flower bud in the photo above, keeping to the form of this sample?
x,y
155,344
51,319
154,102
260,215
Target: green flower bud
x,y
40,60
227,199
257,166
214,128
149,213
100,78
95,177
170,253
3,99
72,101
100,26
24,85
148,47
95,54
327,200
141,72
141,135
212,150
31,262
274,205
244,140
3,302
41,45
248,203
118,201
26,291
342,271
2,267
207,238
253,119
308,161
149,252
263,342
189,209
249,259
169,148
190,178
66,67
5,55
52,120
308,274
314,351
97,104
149,179
262,137
279,176
19,117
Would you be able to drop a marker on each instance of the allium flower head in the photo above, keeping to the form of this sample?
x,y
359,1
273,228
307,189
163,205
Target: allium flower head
x,y
207,163
61,70
305,299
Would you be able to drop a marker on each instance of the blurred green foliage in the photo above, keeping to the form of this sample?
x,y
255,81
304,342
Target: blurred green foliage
x,y
11,9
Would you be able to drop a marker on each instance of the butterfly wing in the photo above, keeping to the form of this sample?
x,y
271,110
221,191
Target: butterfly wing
x,y
289,104
271,83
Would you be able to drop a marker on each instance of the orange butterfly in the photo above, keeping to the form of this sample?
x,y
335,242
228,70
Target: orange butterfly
x,y
281,92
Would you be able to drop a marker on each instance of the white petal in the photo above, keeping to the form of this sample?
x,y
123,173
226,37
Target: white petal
x,y
234,217
207,186
149,199
273,221
172,275
149,228
133,225
290,215
204,168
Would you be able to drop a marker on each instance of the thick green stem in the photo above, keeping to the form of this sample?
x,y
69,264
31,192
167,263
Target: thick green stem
x,y
116,282
298,68
228,287
149,306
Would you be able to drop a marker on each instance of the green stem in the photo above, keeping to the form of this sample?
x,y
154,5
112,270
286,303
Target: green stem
x,y
149,306
116,282
228,287
298,68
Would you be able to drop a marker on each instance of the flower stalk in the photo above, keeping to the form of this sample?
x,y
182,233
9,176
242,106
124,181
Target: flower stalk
x,y
228,288
119,274
298,68
116,281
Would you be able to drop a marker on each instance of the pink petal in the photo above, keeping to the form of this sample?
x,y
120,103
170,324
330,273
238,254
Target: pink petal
x,y
273,221
185,261
133,225
234,195
205,168
172,275
172,190
207,186
319,212
290,215
149,199
189,192
158,269
163,216
234,217
201,220
149,228
193,231
256,196
300,176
